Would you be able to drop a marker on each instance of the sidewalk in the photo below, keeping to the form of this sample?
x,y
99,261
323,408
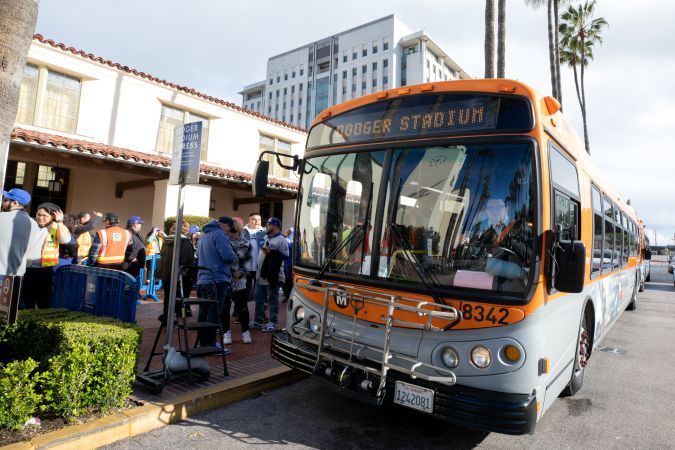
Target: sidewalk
x,y
251,371
245,359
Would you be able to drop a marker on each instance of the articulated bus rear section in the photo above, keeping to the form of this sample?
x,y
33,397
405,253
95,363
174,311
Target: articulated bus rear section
x,y
456,252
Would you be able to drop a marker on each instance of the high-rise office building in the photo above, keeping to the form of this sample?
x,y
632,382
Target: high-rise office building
x,y
376,56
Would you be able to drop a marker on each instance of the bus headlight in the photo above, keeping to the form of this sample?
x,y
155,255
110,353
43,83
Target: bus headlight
x,y
481,357
314,324
512,353
450,357
299,314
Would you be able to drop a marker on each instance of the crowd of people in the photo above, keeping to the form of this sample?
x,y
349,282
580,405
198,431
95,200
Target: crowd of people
x,y
238,262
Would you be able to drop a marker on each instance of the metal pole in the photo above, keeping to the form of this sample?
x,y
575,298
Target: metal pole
x,y
174,276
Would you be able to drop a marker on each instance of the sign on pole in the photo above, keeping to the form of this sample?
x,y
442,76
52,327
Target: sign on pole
x,y
184,170
9,298
187,146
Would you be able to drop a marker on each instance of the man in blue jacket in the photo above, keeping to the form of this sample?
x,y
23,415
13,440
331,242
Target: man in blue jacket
x,y
215,252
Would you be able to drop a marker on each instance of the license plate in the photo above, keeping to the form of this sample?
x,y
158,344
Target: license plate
x,y
414,397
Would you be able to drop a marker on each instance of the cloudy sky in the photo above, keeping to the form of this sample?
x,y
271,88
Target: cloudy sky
x,y
218,46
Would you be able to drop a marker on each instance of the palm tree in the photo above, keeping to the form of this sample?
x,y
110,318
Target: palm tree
x,y
489,38
580,32
501,38
553,40
17,22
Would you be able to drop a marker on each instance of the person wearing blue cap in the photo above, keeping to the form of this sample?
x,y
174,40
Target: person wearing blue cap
x,y
19,232
270,275
134,259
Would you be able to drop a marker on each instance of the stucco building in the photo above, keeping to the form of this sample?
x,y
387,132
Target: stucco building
x,y
92,134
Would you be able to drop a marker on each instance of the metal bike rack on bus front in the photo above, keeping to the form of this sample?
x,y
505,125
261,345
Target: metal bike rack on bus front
x,y
328,352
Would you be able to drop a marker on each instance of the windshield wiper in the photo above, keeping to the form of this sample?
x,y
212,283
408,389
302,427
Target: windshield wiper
x,y
427,280
350,237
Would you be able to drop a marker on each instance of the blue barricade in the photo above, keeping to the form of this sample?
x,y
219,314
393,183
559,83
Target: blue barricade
x,y
102,292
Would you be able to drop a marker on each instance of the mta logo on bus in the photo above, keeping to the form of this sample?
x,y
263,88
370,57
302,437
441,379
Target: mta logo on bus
x,y
341,299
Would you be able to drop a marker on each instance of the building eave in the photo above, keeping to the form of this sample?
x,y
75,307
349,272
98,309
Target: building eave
x,y
54,142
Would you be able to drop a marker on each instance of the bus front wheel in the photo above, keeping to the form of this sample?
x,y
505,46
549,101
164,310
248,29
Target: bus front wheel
x,y
581,358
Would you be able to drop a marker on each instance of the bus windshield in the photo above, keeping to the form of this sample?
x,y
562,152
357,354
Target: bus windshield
x,y
452,216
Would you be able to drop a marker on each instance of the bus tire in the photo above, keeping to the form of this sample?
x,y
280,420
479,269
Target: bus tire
x,y
642,283
581,358
633,300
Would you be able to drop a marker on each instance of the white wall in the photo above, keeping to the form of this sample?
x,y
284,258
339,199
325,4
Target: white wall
x,y
120,109
123,110
93,189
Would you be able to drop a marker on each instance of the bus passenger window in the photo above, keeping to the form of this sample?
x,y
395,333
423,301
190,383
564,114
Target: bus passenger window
x,y
566,215
596,266
609,260
566,194
626,250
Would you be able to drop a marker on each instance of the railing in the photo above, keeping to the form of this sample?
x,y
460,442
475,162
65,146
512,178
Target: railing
x,y
153,284
102,292
433,317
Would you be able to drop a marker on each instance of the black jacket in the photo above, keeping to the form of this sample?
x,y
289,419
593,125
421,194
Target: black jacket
x,y
187,256
135,251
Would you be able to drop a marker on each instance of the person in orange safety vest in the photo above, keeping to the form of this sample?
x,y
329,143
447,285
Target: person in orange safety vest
x,y
37,284
111,245
84,232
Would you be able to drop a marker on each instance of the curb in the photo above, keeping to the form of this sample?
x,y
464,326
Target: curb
x,y
148,417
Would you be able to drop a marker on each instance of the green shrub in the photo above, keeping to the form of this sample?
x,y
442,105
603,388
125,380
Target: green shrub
x,y
200,221
18,399
90,361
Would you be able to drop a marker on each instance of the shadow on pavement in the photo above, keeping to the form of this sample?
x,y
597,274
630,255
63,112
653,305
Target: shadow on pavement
x,y
268,420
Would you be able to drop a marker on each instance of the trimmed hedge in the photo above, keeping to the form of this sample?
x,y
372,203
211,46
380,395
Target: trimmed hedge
x,y
200,221
18,399
84,362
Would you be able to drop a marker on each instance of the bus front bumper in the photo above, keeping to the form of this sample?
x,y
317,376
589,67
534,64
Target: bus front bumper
x,y
465,406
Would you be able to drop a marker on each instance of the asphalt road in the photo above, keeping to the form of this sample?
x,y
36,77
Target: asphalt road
x,y
626,402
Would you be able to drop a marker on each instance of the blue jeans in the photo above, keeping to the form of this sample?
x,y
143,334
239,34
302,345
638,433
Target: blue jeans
x,y
211,313
269,293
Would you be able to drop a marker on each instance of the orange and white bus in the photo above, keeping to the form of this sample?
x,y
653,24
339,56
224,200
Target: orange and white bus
x,y
456,252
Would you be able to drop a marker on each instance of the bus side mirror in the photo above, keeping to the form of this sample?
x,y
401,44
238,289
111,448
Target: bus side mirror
x,y
259,185
648,253
571,260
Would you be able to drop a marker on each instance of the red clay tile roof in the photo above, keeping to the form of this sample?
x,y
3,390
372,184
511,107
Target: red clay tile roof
x,y
96,149
184,89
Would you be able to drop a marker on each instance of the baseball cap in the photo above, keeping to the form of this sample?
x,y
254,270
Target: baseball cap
x,y
133,220
274,221
227,220
18,195
193,229
239,220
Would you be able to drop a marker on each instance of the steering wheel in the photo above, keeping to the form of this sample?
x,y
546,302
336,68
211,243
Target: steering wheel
x,y
507,250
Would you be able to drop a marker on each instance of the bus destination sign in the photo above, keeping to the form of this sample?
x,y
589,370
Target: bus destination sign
x,y
419,116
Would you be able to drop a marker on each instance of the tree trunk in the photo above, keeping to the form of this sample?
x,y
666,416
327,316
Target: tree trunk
x,y
576,85
551,50
17,25
501,39
489,39
583,93
558,80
